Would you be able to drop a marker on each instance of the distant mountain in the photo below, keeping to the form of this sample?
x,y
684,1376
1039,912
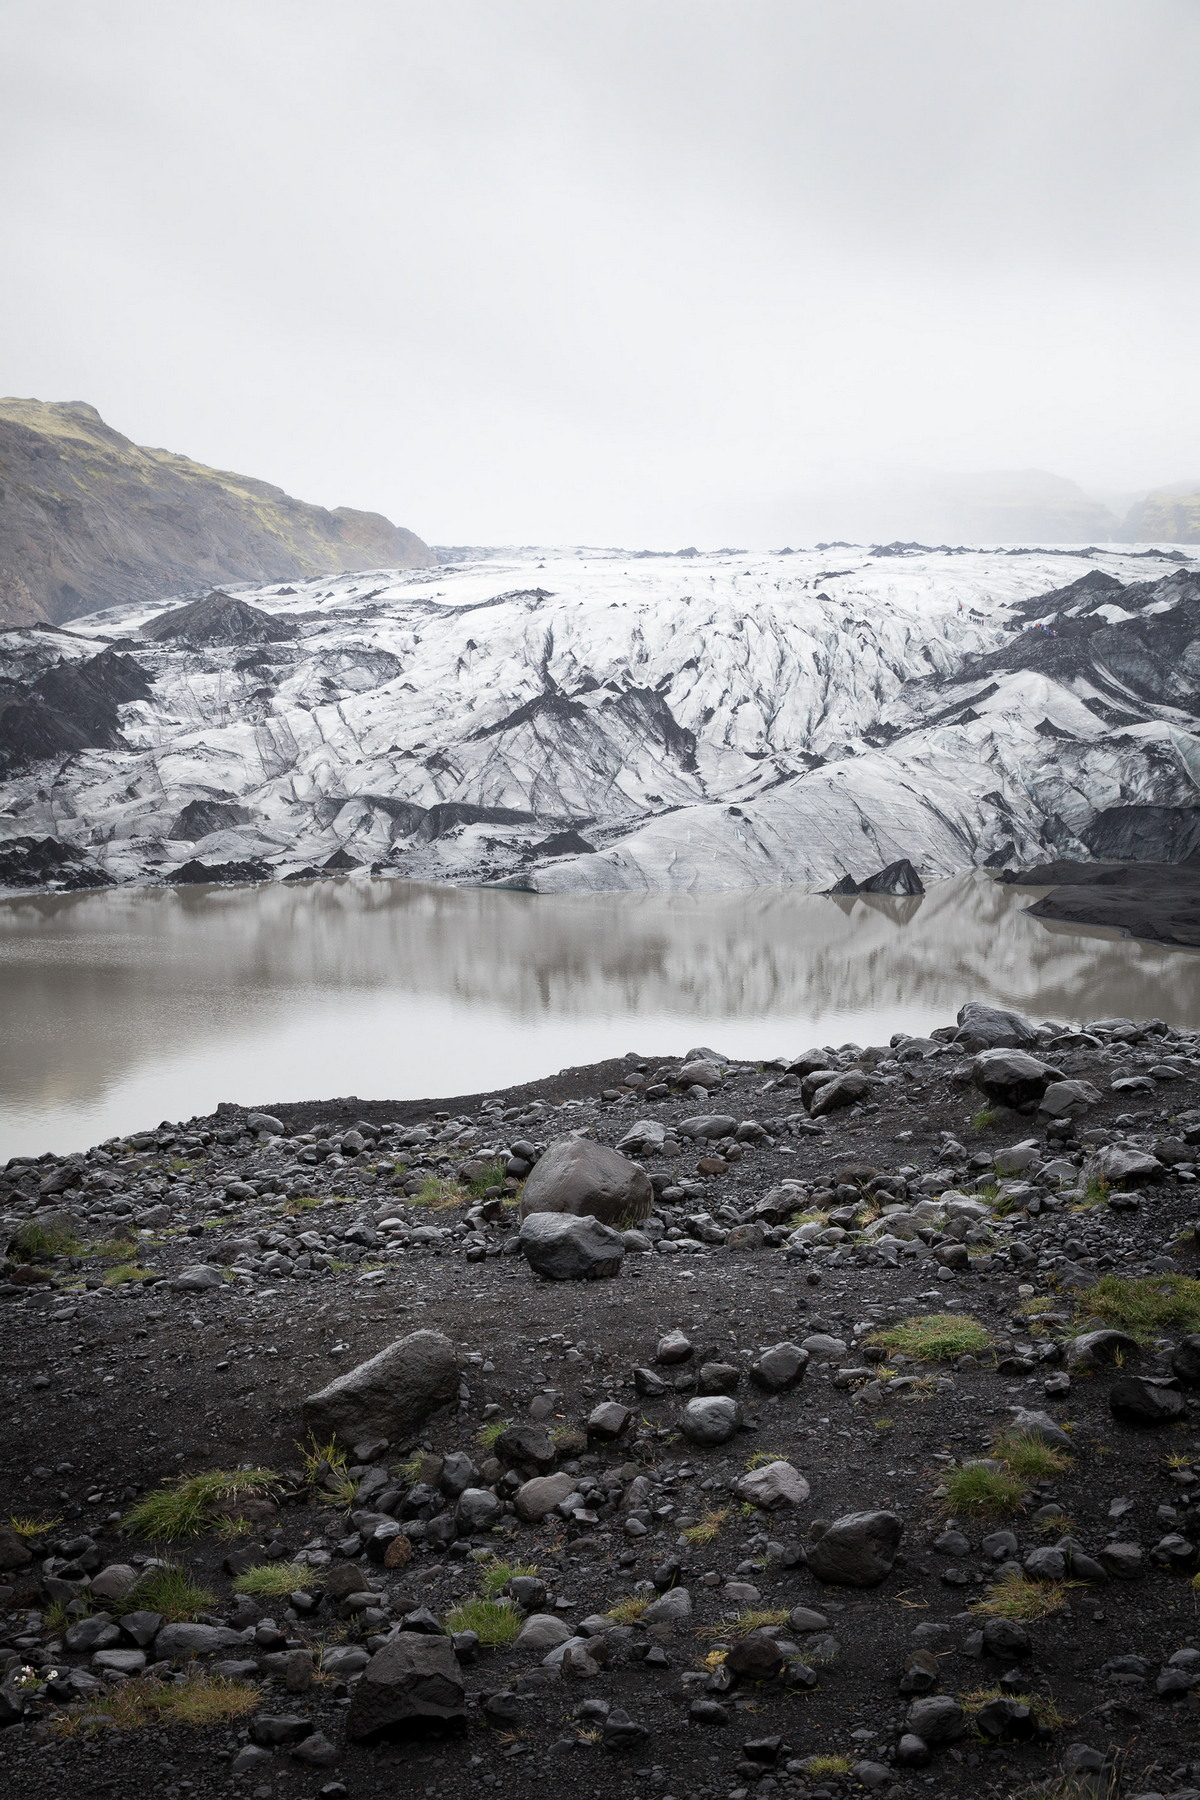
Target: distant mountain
x,y
1168,515
88,518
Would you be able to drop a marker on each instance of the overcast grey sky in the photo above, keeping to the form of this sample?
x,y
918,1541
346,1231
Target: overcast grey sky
x,y
610,271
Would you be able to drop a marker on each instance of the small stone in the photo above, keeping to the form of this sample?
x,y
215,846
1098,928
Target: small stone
x,y
710,1421
774,1484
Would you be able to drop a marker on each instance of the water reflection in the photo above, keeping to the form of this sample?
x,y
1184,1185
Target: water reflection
x,y
131,1004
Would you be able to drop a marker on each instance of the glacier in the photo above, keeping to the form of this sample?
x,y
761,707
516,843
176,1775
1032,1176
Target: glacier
x,y
589,720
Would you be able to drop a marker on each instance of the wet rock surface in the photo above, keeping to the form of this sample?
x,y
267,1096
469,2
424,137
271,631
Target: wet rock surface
x,y
759,1498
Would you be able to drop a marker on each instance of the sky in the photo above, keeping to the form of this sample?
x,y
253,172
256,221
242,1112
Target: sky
x,y
611,271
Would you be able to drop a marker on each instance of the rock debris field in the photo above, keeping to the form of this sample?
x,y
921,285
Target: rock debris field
x,y
670,1427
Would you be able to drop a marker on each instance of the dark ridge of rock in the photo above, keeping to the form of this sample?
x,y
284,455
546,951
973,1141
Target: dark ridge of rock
x,y
563,843
405,814
340,862
1157,901
196,872
898,878
91,519
1159,834
71,707
28,862
1092,589
200,817
444,817
219,619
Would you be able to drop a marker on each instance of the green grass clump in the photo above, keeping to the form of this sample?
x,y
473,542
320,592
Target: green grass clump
x,y
1041,1706
487,1434
984,1119
170,1591
935,1337
1027,1456
495,1174
128,1272
185,1506
27,1526
325,1467
1016,1597
629,1610
38,1242
752,1619
978,1492
438,1194
497,1575
271,1580
707,1527
826,1764
1147,1306
196,1702
494,1622
761,1458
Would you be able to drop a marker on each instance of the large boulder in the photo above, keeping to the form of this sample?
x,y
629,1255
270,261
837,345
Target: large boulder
x,y
843,1090
183,1641
1138,1401
1068,1099
389,1395
1119,1163
773,1484
562,1247
710,1421
1012,1077
990,1028
579,1176
858,1550
537,1499
413,1682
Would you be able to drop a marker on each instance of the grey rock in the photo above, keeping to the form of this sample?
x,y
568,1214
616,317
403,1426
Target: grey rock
x,y
580,1177
266,1122
1040,1425
273,1729
804,1619
711,1420
774,1484
564,1247
1185,1359
843,1090
779,1368
413,1682
1125,1561
1123,1162
1006,1638
96,1633
140,1627
671,1608
718,1378
543,1631
936,1719
858,1550
756,1657
478,1510
316,1751
673,1347
120,1662
607,1421
197,1279
1137,1401
1012,1077
1068,1099
1096,1349
537,1499
707,1125
699,1072
391,1394
344,1660
991,1028
114,1582
182,1641
527,1444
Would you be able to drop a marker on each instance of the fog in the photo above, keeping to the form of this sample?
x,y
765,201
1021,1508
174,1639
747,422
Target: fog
x,y
614,271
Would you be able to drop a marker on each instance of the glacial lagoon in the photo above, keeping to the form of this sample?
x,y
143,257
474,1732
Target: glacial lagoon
x,y
125,1006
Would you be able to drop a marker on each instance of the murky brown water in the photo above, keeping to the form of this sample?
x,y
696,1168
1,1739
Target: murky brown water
x,y
124,1007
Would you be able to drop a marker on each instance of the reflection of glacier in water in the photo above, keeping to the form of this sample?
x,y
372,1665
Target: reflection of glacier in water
x,y
124,1006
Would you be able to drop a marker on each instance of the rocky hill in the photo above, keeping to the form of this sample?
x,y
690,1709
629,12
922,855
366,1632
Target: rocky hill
x,y
1166,516
88,518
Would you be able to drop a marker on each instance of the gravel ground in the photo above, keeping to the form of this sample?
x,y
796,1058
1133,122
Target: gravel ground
x,y
125,1367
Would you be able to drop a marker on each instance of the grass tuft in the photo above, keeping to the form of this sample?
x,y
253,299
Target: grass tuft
x,y
169,1591
185,1506
325,1467
128,1272
979,1492
707,1528
487,1434
37,1242
271,1580
761,1458
629,1610
1147,1306
495,1622
753,1619
26,1526
985,1118
827,1764
1041,1706
935,1337
495,1174
1027,1456
196,1702
438,1194
1016,1597
497,1575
